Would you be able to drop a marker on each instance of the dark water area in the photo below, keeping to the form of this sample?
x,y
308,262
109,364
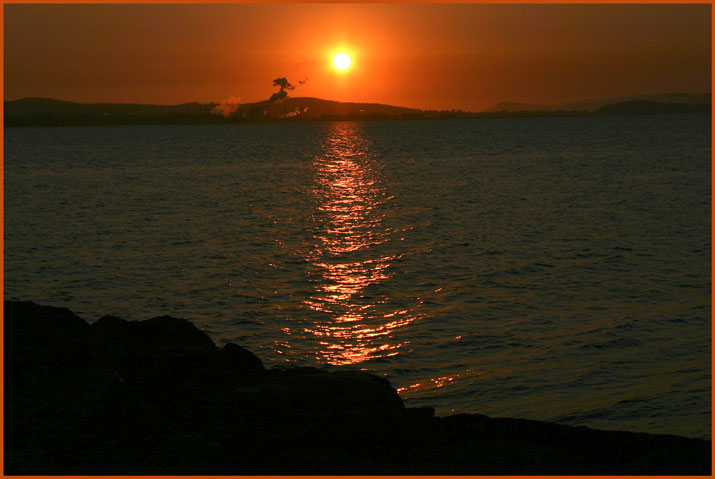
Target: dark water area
x,y
546,268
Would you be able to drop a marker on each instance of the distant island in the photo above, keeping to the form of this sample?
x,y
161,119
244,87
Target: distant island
x,y
595,104
50,112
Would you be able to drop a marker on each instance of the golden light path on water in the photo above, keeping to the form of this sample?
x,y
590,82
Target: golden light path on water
x,y
351,204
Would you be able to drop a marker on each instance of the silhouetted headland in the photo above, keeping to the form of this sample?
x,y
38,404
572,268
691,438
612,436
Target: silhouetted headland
x,y
594,104
158,397
281,108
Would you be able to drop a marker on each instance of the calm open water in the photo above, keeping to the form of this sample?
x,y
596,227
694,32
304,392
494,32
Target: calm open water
x,y
545,268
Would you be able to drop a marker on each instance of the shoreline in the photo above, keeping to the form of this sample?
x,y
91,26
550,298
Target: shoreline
x,y
21,119
11,122
158,397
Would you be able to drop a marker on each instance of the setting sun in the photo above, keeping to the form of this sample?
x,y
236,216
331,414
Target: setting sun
x,y
341,61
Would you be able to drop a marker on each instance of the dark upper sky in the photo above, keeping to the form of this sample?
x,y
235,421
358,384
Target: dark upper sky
x,y
425,56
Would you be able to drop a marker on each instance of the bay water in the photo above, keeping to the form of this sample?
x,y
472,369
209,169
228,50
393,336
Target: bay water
x,y
544,268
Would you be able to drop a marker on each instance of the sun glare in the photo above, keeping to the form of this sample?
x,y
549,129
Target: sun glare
x,y
341,61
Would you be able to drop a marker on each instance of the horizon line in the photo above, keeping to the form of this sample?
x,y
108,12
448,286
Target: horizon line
x,y
527,104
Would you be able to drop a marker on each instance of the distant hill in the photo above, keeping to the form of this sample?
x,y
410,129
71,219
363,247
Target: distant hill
x,y
49,112
32,106
595,104
46,112
644,107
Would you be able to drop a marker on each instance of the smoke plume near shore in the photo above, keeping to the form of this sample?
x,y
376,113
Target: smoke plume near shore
x,y
227,107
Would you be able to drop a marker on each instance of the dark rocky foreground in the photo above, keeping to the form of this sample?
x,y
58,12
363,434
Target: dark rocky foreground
x,y
158,397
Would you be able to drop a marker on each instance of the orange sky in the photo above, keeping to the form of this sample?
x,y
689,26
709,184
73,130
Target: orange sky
x,y
423,56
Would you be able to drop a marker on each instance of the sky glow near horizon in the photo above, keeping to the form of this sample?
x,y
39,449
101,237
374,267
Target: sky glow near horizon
x,y
424,56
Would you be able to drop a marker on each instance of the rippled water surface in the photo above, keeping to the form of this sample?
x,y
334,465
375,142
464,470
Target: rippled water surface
x,y
553,268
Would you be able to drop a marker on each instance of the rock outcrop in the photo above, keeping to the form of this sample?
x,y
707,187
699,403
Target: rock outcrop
x,y
158,397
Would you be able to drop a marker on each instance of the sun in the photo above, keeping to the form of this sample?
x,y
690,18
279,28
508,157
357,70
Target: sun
x,y
341,61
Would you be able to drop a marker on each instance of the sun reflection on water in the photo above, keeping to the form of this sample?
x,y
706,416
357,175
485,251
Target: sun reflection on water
x,y
347,268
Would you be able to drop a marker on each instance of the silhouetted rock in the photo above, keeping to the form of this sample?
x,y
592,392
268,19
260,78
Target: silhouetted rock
x,y
420,413
158,397
349,400
42,339
241,359
142,337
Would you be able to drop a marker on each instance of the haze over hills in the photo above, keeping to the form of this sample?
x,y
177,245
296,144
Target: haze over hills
x,y
50,112
596,103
